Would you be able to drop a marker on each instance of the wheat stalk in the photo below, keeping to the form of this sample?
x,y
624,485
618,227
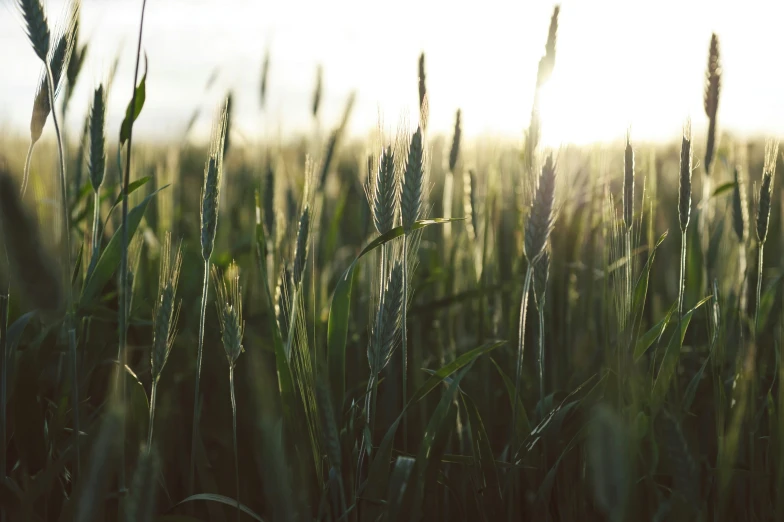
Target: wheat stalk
x,y
540,279
56,60
210,199
537,231
411,208
165,315
232,326
684,208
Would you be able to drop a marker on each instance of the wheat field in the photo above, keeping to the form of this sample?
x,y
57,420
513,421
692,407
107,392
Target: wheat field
x,y
409,325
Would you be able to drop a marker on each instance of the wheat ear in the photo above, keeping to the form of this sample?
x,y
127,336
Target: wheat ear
x,y
763,217
97,166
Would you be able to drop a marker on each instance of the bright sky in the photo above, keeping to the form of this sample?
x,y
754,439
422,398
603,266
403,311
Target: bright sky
x,y
618,63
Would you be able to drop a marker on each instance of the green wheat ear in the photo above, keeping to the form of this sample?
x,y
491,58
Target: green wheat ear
x,y
97,157
684,186
628,184
540,220
413,182
711,98
386,333
229,304
36,26
301,248
766,191
454,151
384,194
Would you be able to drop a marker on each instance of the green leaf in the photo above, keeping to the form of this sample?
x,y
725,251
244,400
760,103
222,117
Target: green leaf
x,y
721,189
441,374
523,427
212,497
651,336
132,187
110,257
134,109
670,362
337,327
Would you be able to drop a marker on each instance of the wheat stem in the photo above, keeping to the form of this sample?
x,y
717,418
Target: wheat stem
x,y
3,381
28,160
66,267
742,277
541,360
682,277
195,429
759,289
153,397
404,347
520,350
95,235
234,426
124,257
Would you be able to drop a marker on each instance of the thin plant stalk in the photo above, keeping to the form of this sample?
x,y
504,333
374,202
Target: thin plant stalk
x,y
3,380
682,277
202,314
404,342
123,319
153,396
69,320
541,359
520,350
234,426
96,228
760,257
742,277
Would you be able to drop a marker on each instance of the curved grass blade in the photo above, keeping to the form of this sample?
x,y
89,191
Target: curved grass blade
x,y
213,497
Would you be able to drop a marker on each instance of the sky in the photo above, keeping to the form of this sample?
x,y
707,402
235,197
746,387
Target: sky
x,y
619,64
